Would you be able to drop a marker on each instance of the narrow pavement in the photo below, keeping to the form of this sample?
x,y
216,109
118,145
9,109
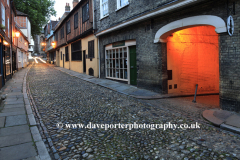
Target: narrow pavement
x,y
19,136
64,99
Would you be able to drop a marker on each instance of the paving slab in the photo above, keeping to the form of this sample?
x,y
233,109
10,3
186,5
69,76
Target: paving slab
x,y
2,122
233,120
15,102
13,105
15,139
208,114
18,109
222,114
32,120
42,151
12,113
14,130
16,120
142,92
17,152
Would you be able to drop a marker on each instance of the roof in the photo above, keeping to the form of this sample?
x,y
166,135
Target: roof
x,y
70,13
54,23
21,13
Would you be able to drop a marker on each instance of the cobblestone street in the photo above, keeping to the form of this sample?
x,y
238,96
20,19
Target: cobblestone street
x,y
60,97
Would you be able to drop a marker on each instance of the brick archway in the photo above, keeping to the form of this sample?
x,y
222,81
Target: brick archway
x,y
167,30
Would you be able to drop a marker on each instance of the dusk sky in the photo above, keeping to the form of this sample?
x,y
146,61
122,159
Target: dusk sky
x,y
60,8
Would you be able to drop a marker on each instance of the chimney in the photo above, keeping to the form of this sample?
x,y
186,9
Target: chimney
x,y
75,2
67,7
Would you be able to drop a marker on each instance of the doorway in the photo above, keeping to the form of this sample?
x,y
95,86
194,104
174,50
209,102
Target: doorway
x,y
133,65
84,61
193,58
63,59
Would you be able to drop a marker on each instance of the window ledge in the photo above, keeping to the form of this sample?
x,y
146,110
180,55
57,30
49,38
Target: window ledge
x,y
122,7
104,16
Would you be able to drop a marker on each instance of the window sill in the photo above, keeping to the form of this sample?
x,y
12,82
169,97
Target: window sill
x,y
122,7
104,17
76,60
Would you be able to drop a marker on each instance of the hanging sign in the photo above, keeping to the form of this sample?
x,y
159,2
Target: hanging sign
x,y
230,25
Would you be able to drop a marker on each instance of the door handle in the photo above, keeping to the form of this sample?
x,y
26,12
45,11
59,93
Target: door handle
x,y
132,66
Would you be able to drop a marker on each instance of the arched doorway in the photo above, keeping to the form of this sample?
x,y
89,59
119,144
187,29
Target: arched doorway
x,y
192,50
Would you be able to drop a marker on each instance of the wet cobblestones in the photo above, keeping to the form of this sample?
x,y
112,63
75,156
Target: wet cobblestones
x,y
63,98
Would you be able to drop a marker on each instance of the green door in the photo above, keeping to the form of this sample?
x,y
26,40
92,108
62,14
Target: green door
x,y
133,65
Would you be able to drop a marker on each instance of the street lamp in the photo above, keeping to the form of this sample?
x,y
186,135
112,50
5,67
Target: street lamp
x,y
53,44
17,34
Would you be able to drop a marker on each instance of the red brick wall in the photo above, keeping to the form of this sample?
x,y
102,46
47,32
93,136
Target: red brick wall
x,y
21,21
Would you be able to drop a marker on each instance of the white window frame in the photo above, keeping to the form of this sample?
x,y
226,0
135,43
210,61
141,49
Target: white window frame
x,y
3,15
119,6
8,2
110,49
101,9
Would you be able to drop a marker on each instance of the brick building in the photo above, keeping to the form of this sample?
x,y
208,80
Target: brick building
x,y
169,46
7,50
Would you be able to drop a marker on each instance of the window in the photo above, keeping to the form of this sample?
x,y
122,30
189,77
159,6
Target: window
x,y
122,3
62,32
76,51
104,8
68,27
116,63
85,13
76,20
8,2
66,54
8,29
61,55
91,49
56,36
3,15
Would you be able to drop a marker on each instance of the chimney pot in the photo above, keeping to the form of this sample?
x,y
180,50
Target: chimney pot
x,y
75,2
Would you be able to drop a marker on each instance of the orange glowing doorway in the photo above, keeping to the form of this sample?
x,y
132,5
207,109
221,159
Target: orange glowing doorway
x,y
193,58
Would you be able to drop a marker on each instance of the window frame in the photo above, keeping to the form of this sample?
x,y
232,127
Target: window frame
x,y
62,32
3,15
83,19
66,54
91,55
8,27
68,27
101,9
119,6
76,51
76,19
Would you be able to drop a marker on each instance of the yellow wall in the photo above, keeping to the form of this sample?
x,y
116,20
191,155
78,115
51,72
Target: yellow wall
x,y
94,63
78,65
66,64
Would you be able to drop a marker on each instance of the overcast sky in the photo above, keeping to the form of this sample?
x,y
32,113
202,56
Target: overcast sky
x,y
60,8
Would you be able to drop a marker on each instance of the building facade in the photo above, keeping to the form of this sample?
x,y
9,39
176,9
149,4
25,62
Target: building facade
x,y
49,39
76,44
171,46
7,50
23,26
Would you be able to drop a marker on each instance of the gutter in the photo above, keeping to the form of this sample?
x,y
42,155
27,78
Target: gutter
x,y
172,7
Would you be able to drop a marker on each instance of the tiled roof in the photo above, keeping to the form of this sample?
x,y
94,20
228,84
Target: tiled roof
x,y
21,13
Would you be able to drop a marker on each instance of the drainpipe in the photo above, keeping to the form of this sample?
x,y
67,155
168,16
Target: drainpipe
x,y
93,14
99,63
